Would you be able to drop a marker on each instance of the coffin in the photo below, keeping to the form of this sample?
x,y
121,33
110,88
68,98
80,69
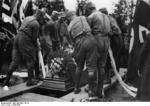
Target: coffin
x,y
63,83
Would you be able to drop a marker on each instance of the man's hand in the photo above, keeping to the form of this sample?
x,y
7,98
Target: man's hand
x,y
38,44
139,73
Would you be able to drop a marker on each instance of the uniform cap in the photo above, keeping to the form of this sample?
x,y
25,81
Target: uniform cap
x,y
90,5
70,14
55,13
40,13
103,10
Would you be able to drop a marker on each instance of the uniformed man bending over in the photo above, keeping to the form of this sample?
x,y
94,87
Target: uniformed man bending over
x,y
100,26
85,49
25,47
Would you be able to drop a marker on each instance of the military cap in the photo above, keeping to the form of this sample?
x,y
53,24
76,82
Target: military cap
x,y
90,5
70,14
40,13
103,10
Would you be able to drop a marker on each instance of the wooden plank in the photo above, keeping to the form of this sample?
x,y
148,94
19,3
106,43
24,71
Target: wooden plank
x,y
18,89
83,94
21,74
32,97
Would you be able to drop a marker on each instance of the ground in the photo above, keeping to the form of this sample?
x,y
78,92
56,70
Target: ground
x,y
115,94
118,94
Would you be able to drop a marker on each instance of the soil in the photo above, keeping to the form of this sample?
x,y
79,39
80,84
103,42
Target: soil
x,y
118,94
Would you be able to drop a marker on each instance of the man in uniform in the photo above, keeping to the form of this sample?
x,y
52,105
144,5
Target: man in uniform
x,y
25,47
116,45
100,26
85,49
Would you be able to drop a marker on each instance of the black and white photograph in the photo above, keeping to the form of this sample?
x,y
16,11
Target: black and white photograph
x,y
74,51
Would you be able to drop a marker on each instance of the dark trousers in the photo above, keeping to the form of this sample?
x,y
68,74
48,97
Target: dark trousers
x,y
143,93
22,54
103,44
86,52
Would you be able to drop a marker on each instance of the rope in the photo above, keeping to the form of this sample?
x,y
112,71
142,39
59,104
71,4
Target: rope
x,y
129,89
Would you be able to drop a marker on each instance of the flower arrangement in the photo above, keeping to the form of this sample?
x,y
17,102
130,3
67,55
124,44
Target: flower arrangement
x,y
61,63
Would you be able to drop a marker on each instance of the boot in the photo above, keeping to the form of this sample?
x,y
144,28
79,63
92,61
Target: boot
x,y
107,79
30,67
6,82
38,75
100,84
32,82
39,78
77,90
77,81
87,89
92,85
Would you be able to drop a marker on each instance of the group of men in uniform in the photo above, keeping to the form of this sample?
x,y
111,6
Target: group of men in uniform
x,y
89,37
25,47
91,42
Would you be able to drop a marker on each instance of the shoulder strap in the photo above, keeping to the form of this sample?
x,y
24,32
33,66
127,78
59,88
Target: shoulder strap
x,y
82,24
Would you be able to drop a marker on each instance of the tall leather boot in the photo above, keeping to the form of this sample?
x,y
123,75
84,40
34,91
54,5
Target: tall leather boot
x,y
12,68
77,81
92,84
31,80
92,88
37,71
6,82
100,92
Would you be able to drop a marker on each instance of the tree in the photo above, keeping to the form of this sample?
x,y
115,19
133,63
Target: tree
x,y
51,5
124,14
81,7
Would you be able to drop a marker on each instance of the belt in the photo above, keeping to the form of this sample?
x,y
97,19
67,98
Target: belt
x,y
101,34
22,31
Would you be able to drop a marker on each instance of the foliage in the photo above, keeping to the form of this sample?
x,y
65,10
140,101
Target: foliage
x,y
124,13
57,5
81,7
124,8
61,63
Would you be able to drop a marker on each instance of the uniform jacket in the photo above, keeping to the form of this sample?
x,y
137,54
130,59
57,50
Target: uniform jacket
x,y
30,27
99,23
78,26
114,26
